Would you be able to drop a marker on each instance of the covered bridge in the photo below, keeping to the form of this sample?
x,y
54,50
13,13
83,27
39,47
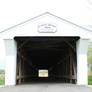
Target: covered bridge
x,y
46,48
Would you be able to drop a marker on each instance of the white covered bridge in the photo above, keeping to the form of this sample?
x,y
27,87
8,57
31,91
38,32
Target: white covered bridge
x,y
46,48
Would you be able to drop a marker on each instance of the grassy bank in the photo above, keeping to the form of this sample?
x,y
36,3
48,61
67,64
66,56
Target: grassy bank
x,y
2,77
90,80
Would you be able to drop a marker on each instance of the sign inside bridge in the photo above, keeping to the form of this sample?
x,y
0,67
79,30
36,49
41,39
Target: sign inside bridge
x,y
43,73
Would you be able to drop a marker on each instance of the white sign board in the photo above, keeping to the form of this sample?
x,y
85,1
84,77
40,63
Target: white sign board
x,y
47,28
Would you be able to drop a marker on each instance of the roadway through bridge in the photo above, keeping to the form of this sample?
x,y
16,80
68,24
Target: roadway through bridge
x,y
46,87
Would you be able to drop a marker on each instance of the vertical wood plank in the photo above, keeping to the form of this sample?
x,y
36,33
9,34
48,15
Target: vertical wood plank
x,y
71,62
20,68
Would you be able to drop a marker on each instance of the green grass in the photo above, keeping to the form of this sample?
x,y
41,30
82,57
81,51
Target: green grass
x,y
2,82
2,77
90,80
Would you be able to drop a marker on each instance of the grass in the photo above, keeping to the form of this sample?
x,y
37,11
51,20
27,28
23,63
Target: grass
x,y
2,77
2,82
90,80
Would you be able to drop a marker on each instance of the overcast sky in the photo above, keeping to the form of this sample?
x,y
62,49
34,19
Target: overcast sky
x,y
13,12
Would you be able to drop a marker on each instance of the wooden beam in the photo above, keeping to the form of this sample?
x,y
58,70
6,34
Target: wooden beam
x,y
19,67
71,62
20,72
74,69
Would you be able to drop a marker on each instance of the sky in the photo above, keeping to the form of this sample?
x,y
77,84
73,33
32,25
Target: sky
x,y
13,12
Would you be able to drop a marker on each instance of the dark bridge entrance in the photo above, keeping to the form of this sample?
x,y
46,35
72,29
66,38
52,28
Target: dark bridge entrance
x,y
56,56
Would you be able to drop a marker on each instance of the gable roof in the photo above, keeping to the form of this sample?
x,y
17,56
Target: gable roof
x,y
47,13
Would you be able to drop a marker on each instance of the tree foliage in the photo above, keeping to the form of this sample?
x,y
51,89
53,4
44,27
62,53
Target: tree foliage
x,y
90,53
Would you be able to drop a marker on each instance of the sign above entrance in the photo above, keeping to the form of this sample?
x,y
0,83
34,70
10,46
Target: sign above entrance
x,y
47,28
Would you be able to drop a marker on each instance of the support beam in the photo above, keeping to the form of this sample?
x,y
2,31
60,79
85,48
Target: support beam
x,y
11,54
20,71
81,49
71,62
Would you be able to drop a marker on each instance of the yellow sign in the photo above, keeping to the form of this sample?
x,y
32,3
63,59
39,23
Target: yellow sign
x,y
43,73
